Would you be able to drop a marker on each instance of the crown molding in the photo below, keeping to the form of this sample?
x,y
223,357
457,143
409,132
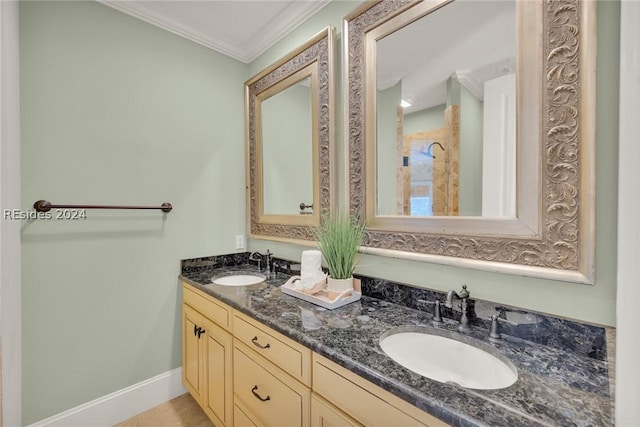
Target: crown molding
x,y
294,15
291,17
469,81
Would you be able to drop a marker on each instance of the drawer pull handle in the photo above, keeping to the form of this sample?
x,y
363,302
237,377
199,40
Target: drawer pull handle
x,y
257,344
254,390
197,331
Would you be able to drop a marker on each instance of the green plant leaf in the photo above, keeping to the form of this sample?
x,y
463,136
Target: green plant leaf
x,y
339,236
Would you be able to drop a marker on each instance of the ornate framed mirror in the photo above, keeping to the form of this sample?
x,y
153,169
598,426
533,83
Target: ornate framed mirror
x,y
470,130
289,129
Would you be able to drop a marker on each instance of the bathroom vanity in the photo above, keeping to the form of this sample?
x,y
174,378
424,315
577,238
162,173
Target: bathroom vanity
x,y
253,355
244,373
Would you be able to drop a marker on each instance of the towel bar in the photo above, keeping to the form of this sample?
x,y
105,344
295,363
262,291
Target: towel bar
x,y
46,206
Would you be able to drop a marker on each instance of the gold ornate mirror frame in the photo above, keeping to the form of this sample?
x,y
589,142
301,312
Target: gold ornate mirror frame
x,y
553,234
314,60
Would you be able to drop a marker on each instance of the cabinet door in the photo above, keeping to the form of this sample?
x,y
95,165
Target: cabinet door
x,y
324,414
218,402
192,352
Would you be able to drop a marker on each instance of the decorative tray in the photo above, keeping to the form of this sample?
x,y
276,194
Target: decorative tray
x,y
322,298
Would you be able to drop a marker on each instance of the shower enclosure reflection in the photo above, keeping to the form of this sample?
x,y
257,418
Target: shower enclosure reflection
x,y
430,170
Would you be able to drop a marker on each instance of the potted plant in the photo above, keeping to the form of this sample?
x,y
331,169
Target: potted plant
x,y
339,236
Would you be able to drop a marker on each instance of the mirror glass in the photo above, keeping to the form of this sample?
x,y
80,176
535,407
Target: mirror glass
x,y
445,113
287,145
511,192
290,152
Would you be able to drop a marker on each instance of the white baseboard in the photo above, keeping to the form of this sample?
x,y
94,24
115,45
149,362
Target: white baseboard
x,y
120,405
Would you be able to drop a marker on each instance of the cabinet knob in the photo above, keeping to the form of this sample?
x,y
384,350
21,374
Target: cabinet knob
x,y
254,390
200,332
257,344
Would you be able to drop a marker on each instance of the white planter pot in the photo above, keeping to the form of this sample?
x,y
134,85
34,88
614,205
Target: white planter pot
x,y
338,286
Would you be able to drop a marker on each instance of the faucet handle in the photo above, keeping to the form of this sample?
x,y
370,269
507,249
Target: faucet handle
x,y
437,317
503,320
282,265
494,334
464,293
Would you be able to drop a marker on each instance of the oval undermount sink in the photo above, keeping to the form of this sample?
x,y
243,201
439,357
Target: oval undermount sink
x,y
447,360
239,280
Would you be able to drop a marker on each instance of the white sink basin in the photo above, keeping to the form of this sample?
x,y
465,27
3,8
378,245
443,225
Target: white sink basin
x,y
447,360
239,280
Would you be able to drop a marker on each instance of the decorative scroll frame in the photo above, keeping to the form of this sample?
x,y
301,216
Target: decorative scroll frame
x,y
553,235
319,53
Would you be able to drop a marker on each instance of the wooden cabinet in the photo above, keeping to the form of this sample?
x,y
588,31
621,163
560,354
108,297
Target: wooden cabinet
x,y
242,416
207,355
365,402
272,374
324,414
288,355
218,399
272,396
192,353
245,374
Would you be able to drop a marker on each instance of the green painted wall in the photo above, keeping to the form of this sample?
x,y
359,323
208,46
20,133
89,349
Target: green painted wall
x,y
116,111
471,130
287,150
589,303
388,101
424,120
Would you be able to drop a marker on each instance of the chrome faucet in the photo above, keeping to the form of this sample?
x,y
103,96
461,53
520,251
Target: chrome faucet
x,y
463,296
257,256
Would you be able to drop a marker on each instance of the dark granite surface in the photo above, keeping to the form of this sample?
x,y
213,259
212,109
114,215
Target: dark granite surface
x,y
563,334
555,387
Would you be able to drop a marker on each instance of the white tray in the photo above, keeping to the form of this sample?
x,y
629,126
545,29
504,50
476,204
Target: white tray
x,y
321,298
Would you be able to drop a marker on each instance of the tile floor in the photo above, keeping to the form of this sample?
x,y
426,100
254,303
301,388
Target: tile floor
x,y
182,411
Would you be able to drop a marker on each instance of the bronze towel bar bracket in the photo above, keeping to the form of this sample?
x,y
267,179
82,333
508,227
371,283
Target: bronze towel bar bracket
x,y
46,206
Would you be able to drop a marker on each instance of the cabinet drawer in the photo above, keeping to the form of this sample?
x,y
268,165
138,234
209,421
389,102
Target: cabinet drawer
x,y
290,356
363,400
206,305
273,397
324,414
241,416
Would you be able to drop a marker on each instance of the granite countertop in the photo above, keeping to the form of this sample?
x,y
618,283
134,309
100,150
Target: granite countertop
x,y
554,388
